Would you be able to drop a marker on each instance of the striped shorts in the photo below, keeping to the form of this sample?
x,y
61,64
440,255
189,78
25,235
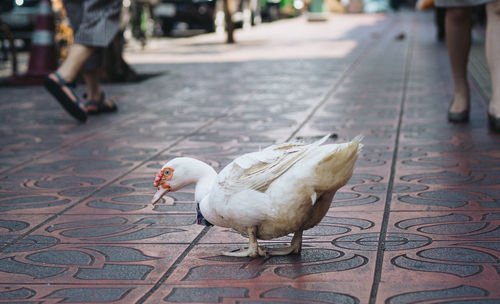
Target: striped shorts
x,y
95,23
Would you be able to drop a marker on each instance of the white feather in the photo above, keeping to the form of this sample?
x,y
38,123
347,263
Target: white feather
x,y
281,189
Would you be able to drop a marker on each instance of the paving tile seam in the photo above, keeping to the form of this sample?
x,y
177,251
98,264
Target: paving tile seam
x,y
322,101
451,238
431,279
390,185
344,75
192,244
348,70
174,265
93,132
170,146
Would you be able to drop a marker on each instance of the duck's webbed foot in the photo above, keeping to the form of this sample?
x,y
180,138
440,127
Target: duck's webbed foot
x,y
253,249
295,246
246,252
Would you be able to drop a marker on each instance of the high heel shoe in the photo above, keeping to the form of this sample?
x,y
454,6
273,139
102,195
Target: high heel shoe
x,y
460,117
493,123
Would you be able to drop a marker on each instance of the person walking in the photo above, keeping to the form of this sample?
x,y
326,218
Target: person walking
x,y
458,26
95,23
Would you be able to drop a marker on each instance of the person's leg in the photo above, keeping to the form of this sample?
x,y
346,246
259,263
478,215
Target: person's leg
x,y
91,72
96,99
91,79
77,56
458,22
493,55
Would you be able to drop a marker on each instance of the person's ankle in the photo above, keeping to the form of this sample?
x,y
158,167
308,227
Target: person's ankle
x,y
94,95
65,76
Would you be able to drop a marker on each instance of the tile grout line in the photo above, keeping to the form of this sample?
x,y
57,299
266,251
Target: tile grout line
x,y
390,185
182,138
179,260
347,72
322,101
174,266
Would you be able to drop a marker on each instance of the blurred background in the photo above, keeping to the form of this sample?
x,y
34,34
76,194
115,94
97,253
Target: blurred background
x,y
146,21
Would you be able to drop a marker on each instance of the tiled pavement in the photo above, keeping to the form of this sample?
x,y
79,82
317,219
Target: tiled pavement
x,y
419,222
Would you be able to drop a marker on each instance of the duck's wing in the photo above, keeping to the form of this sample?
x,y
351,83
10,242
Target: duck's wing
x,y
257,170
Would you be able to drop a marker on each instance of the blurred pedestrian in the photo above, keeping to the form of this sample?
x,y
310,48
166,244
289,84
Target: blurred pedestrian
x,y
458,26
95,23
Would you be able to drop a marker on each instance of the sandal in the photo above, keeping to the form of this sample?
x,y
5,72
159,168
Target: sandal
x,y
70,103
102,105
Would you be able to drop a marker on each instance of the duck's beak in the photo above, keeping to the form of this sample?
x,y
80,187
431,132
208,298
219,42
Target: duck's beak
x,y
160,193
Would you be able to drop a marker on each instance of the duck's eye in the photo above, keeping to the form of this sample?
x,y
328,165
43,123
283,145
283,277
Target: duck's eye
x,y
167,172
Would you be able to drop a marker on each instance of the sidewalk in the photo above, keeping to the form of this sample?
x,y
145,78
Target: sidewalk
x,y
419,222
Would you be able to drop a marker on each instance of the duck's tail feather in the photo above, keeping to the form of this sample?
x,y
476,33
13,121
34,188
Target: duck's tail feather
x,y
335,170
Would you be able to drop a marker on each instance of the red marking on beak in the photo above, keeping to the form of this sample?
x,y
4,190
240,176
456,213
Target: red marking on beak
x,y
161,184
160,177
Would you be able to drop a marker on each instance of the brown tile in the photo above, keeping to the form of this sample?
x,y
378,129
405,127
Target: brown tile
x,y
172,228
113,264
448,225
317,262
258,292
439,198
452,270
321,273
15,225
73,293
335,224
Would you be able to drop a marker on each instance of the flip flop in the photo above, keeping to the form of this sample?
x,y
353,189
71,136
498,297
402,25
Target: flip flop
x,y
102,105
71,105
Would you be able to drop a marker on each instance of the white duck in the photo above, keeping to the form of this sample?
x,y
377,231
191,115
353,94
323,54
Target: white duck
x,y
282,189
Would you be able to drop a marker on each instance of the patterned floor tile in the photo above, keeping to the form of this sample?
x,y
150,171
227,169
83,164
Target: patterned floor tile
x,y
334,225
448,199
122,228
52,263
69,293
449,225
318,262
453,271
12,225
365,191
417,223
271,292
317,275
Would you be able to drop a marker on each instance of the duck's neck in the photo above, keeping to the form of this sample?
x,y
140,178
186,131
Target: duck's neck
x,y
203,176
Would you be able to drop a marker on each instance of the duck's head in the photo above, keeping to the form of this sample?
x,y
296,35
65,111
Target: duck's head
x,y
171,178
179,173
162,183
